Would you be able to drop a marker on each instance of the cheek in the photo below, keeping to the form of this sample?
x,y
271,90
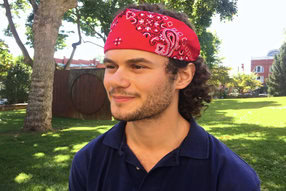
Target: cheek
x,y
106,81
149,85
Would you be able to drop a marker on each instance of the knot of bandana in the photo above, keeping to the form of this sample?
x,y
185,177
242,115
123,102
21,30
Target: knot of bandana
x,y
153,32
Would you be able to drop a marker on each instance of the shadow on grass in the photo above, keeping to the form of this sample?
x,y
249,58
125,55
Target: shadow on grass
x,y
237,104
36,161
41,161
11,121
264,148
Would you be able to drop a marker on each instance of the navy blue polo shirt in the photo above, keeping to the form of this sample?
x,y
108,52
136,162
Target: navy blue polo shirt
x,y
201,163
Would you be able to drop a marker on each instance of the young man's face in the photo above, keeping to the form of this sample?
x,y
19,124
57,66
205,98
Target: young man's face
x,y
137,84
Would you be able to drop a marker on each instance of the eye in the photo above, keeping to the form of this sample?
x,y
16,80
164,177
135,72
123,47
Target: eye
x,y
109,66
137,66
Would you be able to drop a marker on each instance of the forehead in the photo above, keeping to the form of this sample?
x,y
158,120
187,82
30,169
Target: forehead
x,y
123,55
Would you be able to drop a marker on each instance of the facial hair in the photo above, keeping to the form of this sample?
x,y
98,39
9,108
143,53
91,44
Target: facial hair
x,y
155,104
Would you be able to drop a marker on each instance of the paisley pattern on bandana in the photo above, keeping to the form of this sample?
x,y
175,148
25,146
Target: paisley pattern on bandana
x,y
165,35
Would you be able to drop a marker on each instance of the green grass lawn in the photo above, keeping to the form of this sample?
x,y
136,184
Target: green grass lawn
x,y
255,128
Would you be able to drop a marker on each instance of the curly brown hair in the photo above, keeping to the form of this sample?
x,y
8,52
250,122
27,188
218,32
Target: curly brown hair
x,y
196,96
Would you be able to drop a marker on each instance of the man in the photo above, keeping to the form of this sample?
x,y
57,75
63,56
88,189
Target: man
x,y
157,83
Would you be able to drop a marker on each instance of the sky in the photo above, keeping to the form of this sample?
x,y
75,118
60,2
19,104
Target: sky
x,y
258,27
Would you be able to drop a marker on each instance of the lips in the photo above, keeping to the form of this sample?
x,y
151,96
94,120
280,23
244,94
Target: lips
x,y
122,99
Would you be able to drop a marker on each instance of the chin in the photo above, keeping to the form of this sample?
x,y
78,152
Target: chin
x,y
124,117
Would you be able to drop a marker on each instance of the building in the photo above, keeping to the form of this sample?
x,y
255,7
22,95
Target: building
x,y
79,64
262,65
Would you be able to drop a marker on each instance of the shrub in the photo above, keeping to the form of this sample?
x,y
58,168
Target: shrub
x,y
17,82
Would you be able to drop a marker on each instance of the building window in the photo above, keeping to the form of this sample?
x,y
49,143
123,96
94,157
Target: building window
x,y
260,78
259,69
270,68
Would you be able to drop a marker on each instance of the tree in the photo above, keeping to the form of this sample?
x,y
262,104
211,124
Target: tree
x,y
220,79
95,18
96,22
47,20
12,27
16,83
277,80
245,83
6,60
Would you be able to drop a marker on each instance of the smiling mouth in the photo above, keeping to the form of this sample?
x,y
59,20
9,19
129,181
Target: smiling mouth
x,y
122,99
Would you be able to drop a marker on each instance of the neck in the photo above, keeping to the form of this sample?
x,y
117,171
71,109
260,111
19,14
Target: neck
x,y
163,133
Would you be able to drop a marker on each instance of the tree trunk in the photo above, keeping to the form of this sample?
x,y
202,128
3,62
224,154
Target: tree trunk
x,y
46,25
27,59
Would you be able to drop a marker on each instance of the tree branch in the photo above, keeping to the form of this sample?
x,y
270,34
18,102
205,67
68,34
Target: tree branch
x,y
34,5
100,35
93,43
27,59
74,45
97,33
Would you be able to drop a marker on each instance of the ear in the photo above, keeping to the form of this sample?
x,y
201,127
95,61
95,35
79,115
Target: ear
x,y
185,76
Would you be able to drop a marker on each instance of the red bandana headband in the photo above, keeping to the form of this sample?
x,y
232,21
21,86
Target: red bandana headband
x,y
153,32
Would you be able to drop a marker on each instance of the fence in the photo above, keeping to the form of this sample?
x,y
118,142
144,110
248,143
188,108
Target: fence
x,y
80,94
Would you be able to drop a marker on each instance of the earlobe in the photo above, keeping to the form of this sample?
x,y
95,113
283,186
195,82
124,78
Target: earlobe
x,y
185,76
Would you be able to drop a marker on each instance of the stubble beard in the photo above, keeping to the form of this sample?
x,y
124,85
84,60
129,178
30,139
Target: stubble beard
x,y
155,104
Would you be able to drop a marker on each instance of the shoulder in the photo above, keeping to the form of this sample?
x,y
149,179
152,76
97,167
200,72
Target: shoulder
x,y
110,139
92,154
233,172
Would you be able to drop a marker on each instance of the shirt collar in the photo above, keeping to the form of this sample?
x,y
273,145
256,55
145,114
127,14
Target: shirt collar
x,y
115,136
195,145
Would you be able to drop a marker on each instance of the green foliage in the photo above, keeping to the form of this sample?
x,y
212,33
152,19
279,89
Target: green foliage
x,y
220,75
200,13
220,79
96,17
277,80
16,83
244,83
6,60
19,5
209,48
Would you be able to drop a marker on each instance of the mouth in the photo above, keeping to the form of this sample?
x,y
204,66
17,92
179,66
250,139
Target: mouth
x,y
122,99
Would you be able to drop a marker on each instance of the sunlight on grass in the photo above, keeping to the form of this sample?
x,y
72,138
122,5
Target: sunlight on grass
x,y
56,135
77,147
253,128
259,111
23,178
103,129
46,134
51,134
100,129
61,149
61,158
39,155
80,129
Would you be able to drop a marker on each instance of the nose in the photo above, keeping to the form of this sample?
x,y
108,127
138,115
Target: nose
x,y
117,79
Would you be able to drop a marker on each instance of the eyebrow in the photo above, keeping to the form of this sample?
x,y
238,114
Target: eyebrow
x,y
136,60
130,61
107,60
